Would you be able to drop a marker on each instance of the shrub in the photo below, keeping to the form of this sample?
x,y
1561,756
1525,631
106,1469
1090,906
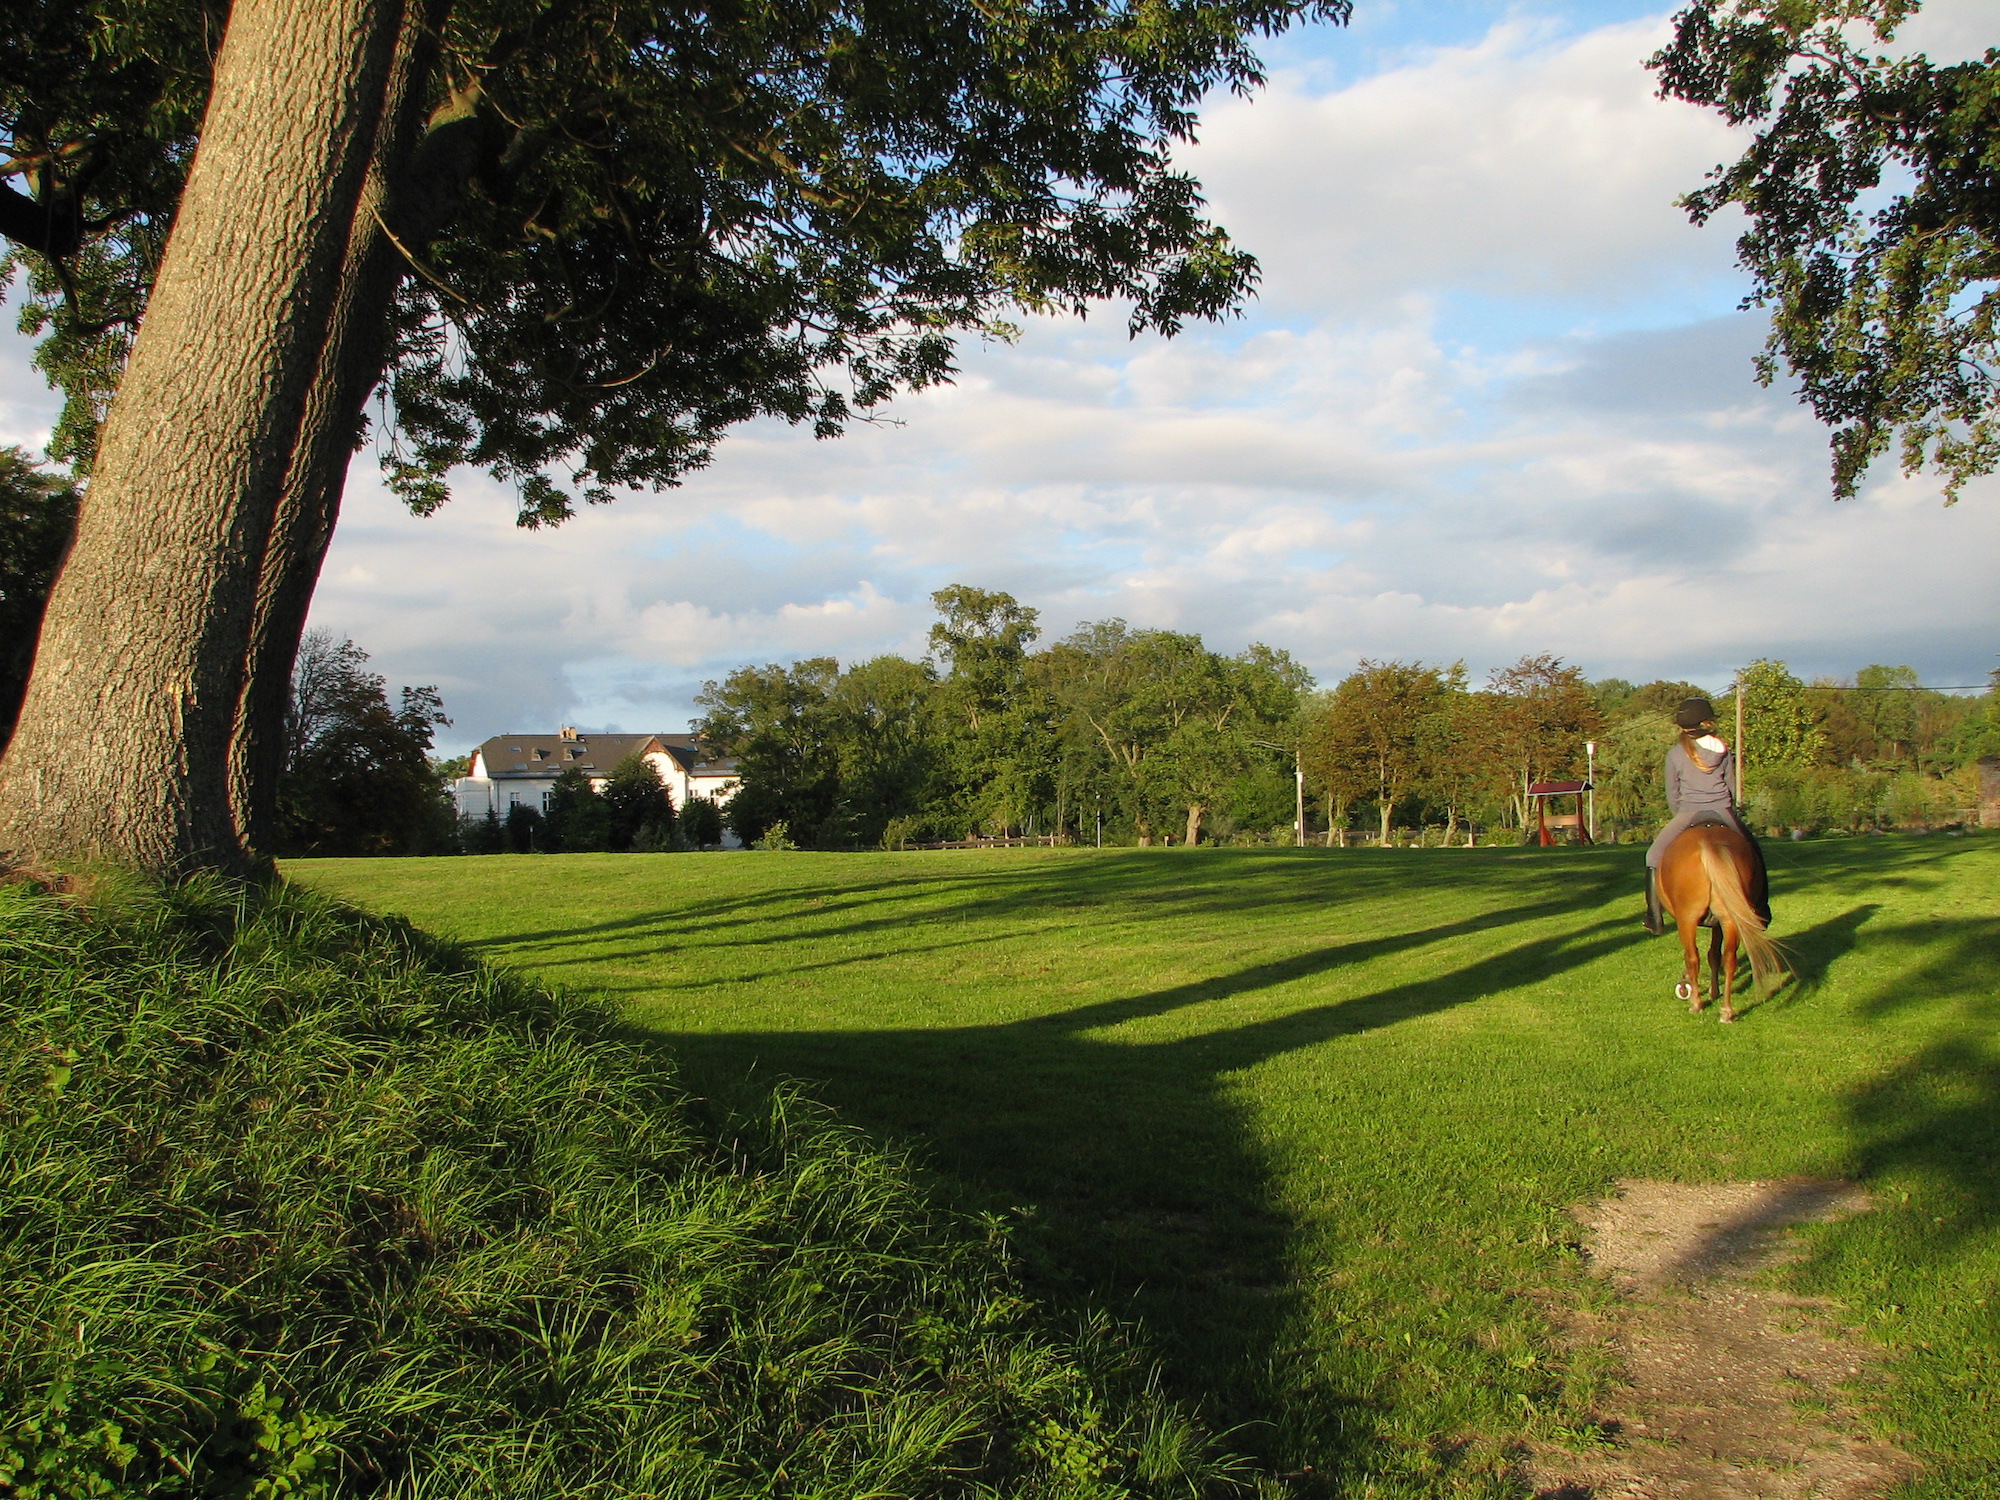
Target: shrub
x,y
701,823
299,1202
778,837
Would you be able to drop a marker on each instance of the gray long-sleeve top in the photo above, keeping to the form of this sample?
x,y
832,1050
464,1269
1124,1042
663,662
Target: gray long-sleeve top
x,y
1689,786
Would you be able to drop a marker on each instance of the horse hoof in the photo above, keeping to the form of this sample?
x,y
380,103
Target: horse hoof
x,y
1684,991
1729,1020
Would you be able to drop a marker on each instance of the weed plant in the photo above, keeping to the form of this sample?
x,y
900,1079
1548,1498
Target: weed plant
x,y
296,1202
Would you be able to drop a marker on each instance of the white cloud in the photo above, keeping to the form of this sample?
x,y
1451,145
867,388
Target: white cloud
x,y
1514,167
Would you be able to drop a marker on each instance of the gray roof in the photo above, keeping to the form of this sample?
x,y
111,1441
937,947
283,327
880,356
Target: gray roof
x,y
510,755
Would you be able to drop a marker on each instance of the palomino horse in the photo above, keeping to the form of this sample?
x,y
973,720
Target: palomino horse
x,y
1706,871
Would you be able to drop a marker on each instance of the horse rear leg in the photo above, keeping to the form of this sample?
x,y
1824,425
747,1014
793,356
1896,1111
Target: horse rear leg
x,y
1724,967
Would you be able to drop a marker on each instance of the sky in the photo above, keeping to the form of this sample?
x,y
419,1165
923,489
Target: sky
x,y
1494,398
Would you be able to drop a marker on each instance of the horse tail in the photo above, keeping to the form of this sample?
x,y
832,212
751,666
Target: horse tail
x,y
1725,888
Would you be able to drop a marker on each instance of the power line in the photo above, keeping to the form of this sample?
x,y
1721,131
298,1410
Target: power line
x,y
1892,687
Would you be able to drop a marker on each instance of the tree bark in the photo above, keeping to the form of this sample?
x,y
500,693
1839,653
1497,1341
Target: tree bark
x,y
1195,811
352,362
123,748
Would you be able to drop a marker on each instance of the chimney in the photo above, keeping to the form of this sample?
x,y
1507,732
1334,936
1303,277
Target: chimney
x,y
567,732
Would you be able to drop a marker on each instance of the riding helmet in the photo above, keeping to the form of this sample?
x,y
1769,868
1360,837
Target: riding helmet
x,y
1694,712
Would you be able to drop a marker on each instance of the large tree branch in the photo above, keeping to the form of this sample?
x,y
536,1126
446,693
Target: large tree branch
x,y
52,226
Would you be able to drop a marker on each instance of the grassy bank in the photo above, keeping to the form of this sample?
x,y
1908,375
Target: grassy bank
x,y
1317,1118
299,1202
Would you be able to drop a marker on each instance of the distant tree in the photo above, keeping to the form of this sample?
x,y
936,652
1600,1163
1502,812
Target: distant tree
x,y
37,515
884,730
1977,733
1874,227
577,820
701,823
1330,754
1781,722
640,807
1249,699
1612,694
1889,700
1631,785
483,835
525,833
1171,720
1389,713
1448,773
776,724
1539,715
996,753
357,777
836,755
1658,698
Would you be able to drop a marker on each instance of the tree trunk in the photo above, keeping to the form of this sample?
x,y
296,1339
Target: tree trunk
x,y
123,749
352,362
1195,811
1450,824
1382,838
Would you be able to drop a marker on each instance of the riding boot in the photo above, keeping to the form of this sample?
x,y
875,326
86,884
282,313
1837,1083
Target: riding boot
x,y
1655,924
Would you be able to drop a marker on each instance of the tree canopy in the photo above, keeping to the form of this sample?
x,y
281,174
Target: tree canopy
x,y
626,227
1872,186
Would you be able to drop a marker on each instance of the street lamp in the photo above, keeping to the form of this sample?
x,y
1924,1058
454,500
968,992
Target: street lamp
x,y
1590,784
1299,790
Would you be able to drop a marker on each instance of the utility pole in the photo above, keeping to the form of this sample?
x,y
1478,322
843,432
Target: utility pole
x,y
1590,781
1299,789
1299,783
1742,761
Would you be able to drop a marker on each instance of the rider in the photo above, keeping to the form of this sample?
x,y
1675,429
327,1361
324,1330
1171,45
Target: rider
x,y
1701,787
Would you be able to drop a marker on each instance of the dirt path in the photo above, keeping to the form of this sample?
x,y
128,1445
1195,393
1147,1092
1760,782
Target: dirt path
x,y
1734,1390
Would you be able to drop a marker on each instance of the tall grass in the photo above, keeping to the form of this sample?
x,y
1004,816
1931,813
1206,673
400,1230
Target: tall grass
x,y
299,1202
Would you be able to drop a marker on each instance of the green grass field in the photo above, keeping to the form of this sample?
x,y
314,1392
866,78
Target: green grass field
x,y
1316,1118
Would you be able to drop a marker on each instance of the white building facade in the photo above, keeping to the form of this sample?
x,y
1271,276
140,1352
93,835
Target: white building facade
x,y
512,770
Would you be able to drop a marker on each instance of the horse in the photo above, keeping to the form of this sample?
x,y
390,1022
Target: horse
x,y
1706,873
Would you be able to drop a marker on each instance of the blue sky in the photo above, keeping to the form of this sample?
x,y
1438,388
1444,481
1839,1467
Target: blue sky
x,y
1494,399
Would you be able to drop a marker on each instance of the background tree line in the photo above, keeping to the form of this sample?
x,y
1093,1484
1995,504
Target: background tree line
x,y
1148,737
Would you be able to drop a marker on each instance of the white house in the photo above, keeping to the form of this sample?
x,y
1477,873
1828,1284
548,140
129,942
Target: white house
x,y
512,769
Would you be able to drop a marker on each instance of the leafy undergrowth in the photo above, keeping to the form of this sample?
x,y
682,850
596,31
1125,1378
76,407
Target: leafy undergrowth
x,y
295,1201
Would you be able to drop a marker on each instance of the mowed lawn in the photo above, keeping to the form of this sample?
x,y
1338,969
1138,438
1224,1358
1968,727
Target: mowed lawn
x,y
1317,1119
